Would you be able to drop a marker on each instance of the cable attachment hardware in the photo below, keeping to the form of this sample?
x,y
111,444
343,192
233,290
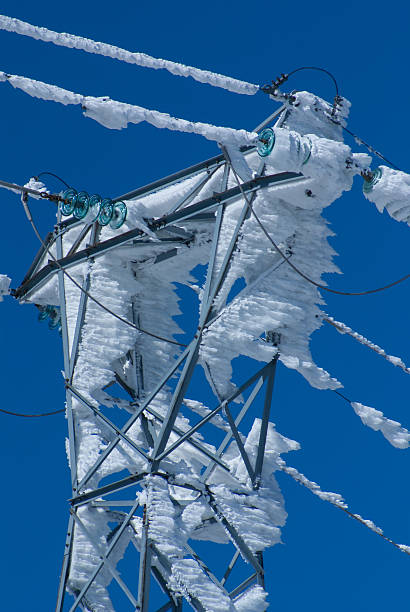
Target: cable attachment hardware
x,y
371,179
337,105
272,90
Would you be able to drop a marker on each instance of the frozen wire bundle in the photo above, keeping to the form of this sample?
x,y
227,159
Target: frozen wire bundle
x,y
140,59
116,115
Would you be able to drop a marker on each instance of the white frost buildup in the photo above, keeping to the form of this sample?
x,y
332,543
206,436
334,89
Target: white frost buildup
x,y
405,548
37,185
4,285
344,329
141,59
392,192
397,435
335,499
116,115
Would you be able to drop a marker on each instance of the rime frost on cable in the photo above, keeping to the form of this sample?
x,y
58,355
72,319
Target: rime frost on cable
x,y
4,286
344,329
117,115
390,189
141,59
393,431
333,498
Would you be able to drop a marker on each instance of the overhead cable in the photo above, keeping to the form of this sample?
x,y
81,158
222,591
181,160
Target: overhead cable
x,y
336,500
273,88
344,329
319,285
32,416
116,115
63,39
297,270
371,149
55,176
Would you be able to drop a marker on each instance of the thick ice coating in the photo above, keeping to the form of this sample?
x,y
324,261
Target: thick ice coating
x,y
390,190
140,59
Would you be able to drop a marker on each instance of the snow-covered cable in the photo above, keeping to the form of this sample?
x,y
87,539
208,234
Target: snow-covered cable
x,y
337,500
393,431
63,39
344,329
116,115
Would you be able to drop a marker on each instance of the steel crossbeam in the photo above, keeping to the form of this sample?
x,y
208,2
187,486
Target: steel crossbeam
x,y
189,213
108,563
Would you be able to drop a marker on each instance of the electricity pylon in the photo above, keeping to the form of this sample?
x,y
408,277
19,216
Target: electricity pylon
x,y
174,476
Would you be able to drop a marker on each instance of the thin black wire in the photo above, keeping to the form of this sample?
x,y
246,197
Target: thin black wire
x,y
297,478
55,176
92,298
370,148
302,274
319,70
31,416
358,139
349,401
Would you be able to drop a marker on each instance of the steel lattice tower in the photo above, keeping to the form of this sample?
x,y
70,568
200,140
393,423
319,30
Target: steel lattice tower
x,y
132,517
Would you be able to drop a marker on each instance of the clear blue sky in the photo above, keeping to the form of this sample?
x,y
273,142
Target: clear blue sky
x,y
327,561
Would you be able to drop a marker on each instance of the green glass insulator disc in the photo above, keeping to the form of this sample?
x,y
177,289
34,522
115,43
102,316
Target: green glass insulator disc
x,y
119,215
106,211
94,207
54,320
375,178
70,199
266,142
309,152
82,205
45,312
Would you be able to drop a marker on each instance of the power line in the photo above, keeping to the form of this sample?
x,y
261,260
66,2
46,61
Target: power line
x,y
344,329
55,176
299,272
141,59
360,141
31,416
302,480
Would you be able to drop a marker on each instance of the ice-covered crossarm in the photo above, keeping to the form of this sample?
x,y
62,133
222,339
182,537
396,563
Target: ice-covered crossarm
x,y
117,115
393,431
324,159
63,39
4,285
389,189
